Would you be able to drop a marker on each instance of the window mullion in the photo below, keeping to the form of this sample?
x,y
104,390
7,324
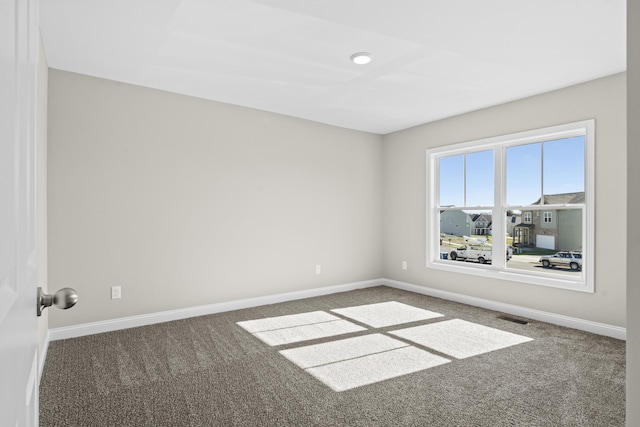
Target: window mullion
x,y
499,213
464,180
542,201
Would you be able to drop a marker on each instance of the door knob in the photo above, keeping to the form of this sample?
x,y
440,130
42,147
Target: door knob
x,y
63,299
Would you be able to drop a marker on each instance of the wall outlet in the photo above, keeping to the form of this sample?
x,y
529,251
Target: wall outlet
x,y
404,265
318,269
116,292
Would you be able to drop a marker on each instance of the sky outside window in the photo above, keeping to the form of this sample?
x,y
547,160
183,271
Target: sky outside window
x,y
480,178
452,181
556,165
478,190
524,180
564,166
551,167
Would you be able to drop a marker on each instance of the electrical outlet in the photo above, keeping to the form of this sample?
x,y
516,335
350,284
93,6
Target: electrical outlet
x,y
116,292
318,269
404,265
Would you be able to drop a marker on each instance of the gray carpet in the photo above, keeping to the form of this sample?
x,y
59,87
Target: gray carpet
x,y
208,371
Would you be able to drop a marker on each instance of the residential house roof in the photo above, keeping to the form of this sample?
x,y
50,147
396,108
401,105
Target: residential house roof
x,y
562,199
475,217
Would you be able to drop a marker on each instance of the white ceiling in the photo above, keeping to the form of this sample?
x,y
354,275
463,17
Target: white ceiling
x,y
431,58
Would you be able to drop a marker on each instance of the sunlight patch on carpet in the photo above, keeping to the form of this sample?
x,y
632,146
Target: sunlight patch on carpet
x,y
459,338
374,368
308,332
354,362
337,351
279,322
344,364
298,327
386,314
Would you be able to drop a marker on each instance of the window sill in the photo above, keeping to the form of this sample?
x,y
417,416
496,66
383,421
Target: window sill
x,y
529,277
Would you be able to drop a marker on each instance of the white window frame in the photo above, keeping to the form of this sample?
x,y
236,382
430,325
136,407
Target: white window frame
x,y
498,269
547,217
527,217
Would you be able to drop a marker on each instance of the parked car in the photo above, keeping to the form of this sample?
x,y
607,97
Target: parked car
x,y
480,253
569,259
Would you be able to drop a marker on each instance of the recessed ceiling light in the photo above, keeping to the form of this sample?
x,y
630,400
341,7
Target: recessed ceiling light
x,y
361,58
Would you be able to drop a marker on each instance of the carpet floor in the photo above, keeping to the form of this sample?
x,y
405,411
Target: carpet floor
x,y
372,357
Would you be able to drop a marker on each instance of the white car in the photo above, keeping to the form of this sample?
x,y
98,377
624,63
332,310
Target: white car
x,y
482,254
570,259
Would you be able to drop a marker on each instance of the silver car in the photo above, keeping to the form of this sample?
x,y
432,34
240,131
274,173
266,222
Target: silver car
x,y
569,259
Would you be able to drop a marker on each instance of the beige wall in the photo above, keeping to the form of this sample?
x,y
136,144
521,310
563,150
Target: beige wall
x,y
633,207
404,197
41,188
185,202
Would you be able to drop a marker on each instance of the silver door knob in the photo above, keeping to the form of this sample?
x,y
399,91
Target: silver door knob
x,y
63,299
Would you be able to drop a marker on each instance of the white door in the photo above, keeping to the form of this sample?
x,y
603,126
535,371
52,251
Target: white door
x,y
19,43
546,242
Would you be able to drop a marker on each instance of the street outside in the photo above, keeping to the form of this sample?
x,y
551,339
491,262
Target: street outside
x,y
525,262
531,262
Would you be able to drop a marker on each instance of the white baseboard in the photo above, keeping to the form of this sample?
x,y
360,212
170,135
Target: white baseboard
x,y
543,316
166,316
203,310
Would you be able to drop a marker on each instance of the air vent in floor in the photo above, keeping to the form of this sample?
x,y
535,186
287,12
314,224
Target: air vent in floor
x,y
513,319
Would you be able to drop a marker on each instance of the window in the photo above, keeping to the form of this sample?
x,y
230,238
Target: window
x,y
535,188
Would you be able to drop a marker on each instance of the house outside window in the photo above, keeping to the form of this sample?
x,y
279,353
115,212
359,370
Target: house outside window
x,y
544,177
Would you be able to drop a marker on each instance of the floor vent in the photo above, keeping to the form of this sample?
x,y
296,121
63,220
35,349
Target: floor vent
x,y
513,319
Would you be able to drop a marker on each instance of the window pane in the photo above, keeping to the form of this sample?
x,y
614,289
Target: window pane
x,y
465,235
524,174
480,179
452,181
564,167
559,241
